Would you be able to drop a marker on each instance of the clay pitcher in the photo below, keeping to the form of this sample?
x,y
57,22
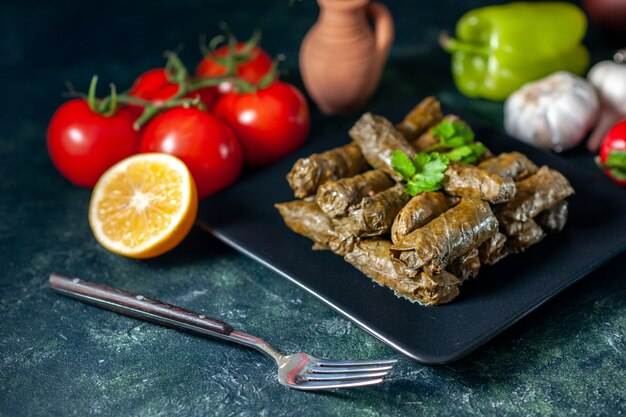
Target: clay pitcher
x,y
341,57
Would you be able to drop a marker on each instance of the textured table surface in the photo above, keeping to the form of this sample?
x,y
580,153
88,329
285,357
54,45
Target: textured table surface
x,y
62,357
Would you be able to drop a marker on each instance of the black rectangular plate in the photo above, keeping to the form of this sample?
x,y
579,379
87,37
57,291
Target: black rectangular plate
x,y
244,217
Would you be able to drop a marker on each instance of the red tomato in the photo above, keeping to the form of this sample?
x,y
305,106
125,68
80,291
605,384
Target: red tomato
x,y
165,93
270,123
149,83
208,97
154,86
83,144
613,154
252,69
203,142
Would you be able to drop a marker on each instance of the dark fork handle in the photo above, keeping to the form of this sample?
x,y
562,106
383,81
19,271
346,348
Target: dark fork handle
x,y
137,306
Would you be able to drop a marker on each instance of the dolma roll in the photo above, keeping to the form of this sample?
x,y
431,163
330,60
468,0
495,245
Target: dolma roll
x,y
434,289
336,197
374,215
466,266
418,211
470,181
424,115
510,165
452,234
535,194
529,234
378,139
510,227
309,173
553,220
372,258
307,219
493,249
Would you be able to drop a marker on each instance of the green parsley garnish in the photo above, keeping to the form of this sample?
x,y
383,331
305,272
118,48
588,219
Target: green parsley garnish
x,y
458,138
425,171
467,154
453,134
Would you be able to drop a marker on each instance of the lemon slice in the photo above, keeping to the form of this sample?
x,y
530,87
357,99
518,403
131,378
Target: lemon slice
x,y
144,205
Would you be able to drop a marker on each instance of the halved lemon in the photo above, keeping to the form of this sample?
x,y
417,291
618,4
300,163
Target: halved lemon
x,y
144,205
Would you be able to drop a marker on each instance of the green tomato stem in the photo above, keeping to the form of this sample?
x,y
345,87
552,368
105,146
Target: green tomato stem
x,y
112,102
125,99
242,85
151,110
230,59
270,76
91,95
175,70
251,43
215,42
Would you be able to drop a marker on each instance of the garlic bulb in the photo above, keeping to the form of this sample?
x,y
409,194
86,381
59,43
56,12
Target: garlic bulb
x,y
552,113
609,79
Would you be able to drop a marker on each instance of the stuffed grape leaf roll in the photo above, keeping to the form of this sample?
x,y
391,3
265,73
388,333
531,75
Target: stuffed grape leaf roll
x,y
336,197
535,194
448,236
372,258
510,165
418,211
493,249
424,115
309,173
374,215
529,234
307,219
466,266
378,139
553,220
470,181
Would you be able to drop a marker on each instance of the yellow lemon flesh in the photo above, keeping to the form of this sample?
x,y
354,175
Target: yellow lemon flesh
x,y
144,205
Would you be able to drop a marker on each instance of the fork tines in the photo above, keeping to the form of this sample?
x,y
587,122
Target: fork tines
x,y
345,374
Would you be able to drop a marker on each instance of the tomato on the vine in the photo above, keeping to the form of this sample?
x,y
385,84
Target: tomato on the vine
x,y
83,144
203,142
250,66
612,157
148,84
270,123
155,86
207,95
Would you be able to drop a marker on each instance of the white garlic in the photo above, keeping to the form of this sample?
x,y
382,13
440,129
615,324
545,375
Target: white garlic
x,y
609,79
552,113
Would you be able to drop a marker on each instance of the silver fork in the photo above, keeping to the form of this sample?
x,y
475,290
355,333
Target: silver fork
x,y
298,370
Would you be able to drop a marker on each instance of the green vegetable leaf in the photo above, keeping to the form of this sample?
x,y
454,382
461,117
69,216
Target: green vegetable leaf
x,y
615,164
416,187
431,163
616,159
444,129
453,134
424,173
467,154
458,154
402,164
618,173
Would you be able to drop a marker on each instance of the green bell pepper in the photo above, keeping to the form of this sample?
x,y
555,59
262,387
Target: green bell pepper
x,y
500,48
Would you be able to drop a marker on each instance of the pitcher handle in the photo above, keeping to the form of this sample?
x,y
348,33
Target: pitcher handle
x,y
383,28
